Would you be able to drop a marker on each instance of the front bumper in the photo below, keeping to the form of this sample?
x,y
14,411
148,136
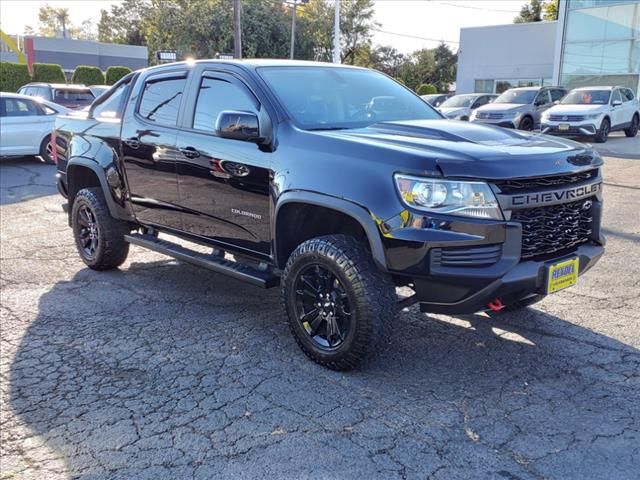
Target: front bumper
x,y
524,280
510,123
576,129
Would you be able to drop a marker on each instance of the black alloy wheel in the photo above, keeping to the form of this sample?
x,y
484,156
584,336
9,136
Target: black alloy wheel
x,y
603,133
632,131
526,124
322,306
88,232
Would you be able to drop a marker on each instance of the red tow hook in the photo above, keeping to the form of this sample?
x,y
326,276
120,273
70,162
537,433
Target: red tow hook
x,y
496,305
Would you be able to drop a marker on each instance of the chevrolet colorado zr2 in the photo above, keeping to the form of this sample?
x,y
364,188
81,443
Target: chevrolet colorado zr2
x,y
337,184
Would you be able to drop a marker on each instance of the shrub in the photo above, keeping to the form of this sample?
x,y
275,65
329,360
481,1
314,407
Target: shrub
x,y
13,76
88,75
114,74
426,89
49,73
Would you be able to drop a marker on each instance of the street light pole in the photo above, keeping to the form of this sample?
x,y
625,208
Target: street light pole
x,y
336,33
293,30
237,31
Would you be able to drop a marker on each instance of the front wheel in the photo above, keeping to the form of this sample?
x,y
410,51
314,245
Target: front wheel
x,y
341,307
99,237
603,133
526,124
632,131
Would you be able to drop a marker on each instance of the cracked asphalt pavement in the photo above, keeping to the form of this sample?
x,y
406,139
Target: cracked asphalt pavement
x,y
161,370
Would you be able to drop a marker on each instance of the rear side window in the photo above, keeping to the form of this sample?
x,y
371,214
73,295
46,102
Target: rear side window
x,y
627,95
160,100
19,107
216,95
542,98
557,95
73,95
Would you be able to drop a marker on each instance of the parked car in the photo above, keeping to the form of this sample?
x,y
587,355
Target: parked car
x,y
594,111
335,184
99,90
519,108
437,99
26,124
68,95
459,107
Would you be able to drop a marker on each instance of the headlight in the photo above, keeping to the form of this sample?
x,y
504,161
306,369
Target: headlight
x,y
592,116
470,199
545,116
473,115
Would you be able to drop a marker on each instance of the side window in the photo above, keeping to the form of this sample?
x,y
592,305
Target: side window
x,y
19,107
216,95
160,100
111,106
557,95
47,110
616,97
627,95
542,98
44,92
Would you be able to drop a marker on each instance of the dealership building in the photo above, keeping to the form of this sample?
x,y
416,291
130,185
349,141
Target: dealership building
x,y
593,42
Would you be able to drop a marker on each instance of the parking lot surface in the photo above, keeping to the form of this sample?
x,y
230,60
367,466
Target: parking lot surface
x,y
161,370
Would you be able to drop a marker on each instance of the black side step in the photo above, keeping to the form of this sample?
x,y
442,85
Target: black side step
x,y
260,278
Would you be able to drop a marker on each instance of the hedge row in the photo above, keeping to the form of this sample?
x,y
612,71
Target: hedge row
x,y
426,89
15,75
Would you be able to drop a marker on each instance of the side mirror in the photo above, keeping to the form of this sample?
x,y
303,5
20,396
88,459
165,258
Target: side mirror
x,y
238,125
617,103
557,102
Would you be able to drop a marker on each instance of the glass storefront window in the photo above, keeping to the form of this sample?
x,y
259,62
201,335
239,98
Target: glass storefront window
x,y
483,86
601,43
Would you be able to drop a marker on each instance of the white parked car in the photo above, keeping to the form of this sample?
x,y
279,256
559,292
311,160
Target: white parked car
x,y
459,107
594,112
26,124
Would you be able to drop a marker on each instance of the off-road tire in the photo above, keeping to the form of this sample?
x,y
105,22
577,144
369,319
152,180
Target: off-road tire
x,y
45,153
603,133
370,291
112,249
632,131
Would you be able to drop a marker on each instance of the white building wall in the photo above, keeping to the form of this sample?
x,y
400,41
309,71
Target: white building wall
x,y
515,51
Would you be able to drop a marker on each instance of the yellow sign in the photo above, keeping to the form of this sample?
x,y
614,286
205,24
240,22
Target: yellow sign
x,y
563,275
12,46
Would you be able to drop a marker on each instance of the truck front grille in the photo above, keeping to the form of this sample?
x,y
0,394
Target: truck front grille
x,y
553,229
517,185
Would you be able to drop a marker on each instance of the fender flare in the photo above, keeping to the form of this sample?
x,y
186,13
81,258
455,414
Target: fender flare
x,y
116,209
353,210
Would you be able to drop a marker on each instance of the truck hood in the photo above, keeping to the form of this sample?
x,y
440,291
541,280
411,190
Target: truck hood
x,y
461,149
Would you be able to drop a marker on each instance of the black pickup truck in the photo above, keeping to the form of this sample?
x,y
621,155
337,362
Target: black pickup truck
x,y
336,183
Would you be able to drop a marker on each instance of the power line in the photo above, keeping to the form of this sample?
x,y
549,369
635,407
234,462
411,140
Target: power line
x,y
415,36
478,8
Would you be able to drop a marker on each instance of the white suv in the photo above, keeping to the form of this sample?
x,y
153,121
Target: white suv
x,y
595,112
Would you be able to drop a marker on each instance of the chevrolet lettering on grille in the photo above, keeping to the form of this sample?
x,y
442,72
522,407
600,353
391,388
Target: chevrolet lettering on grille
x,y
553,197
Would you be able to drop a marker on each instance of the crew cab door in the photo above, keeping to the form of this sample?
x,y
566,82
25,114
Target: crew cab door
x,y
149,131
223,183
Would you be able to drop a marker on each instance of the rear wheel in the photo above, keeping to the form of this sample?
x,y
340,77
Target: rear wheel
x,y
632,131
46,150
99,237
341,307
602,134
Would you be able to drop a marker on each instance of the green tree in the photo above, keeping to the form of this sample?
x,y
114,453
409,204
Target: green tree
x,y
550,10
426,89
123,23
446,63
54,22
530,12
387,59
356,28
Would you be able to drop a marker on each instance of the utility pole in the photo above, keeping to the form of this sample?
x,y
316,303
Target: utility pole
x,y
237,30
293,30
336,33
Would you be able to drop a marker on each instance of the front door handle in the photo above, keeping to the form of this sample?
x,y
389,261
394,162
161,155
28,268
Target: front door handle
x,y
133,142
190,152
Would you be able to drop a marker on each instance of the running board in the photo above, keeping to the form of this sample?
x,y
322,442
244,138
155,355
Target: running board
x,y
246,273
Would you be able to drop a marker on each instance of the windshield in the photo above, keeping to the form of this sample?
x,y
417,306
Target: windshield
x,y
337,97
459,101
587,97
521,97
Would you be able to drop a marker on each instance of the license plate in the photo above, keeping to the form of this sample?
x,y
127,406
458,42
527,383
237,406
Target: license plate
x,y
563,127
562,275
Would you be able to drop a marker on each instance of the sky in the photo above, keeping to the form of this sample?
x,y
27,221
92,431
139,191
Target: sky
x,y
407,25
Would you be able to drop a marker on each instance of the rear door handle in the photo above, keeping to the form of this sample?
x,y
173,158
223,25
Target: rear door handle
x,y
132,142
190,152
